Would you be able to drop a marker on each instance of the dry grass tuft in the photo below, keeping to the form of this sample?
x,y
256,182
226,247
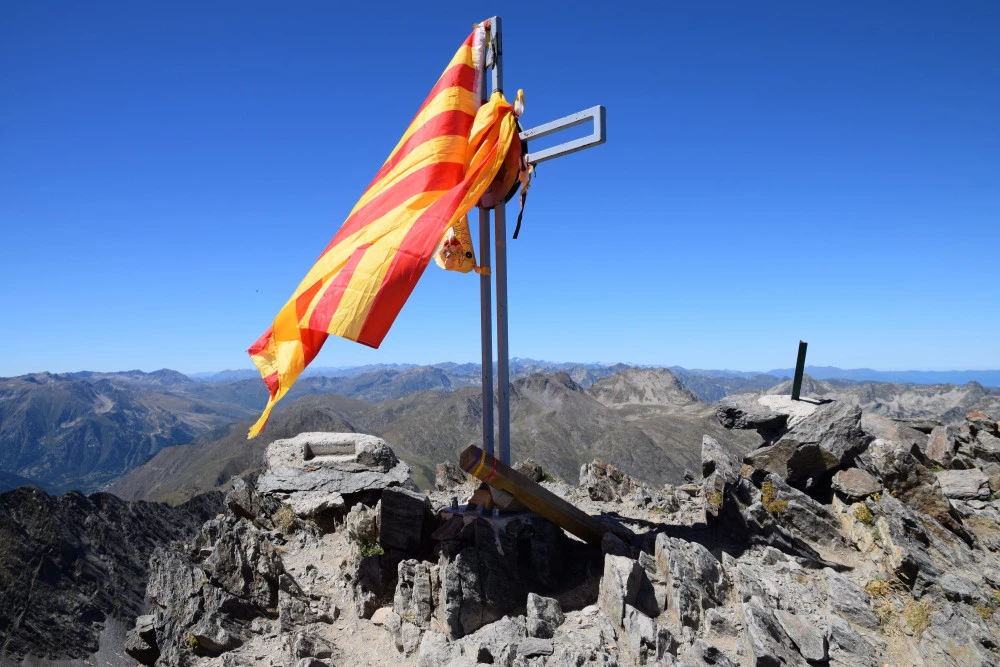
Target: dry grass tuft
x,y
918,616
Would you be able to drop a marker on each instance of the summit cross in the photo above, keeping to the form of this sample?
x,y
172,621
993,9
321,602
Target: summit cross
x,y
596,115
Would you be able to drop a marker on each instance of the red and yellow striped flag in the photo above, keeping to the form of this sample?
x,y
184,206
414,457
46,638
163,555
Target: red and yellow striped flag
x,y
437,172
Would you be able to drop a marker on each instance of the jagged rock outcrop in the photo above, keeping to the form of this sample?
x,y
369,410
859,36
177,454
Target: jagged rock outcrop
x,y
69,563
749,567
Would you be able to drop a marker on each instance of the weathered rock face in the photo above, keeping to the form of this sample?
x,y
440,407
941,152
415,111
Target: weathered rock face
x,y
855,484
487,568
775,576
830,438
605,482
70,562
746,412
964,484
204,596
320,475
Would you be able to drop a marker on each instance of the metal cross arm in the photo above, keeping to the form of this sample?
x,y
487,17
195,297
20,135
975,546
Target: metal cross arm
x,y
595,138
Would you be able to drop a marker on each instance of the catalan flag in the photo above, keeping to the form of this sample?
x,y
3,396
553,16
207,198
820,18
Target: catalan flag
x,y
446,159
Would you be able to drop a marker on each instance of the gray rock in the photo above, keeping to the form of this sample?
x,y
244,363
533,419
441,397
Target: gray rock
x,y
361,524
544,616
613,545
311,662
496,643
487,569
245,502
703,654
848,600
878,426
769,644
647,640
805,517
829,438
417,589
606,483
964,484
696,579
410,636
940,446
448,476
808,638
854,484
403,521
531,470
912,483
532,646
348,464
619,587
905,540
847,647
959,589
435,650
743,411
986,447
310,646
140,649
717,460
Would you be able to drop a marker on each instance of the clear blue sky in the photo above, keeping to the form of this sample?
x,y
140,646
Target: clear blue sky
x,y
774,171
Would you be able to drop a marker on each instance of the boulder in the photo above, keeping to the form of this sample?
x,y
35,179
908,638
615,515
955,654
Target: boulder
x,y
531,470
619,587
964,484
695,579
702,654
311,466
904,477
747,412
986,447
802,516
905,541
854,484
606,483
940,446
959,589
448,476
488,566
140,649
417,589
878,426
848,600
647,640
847,647
829,438
544,616
404,521
533,646
807,637
769,644
980,422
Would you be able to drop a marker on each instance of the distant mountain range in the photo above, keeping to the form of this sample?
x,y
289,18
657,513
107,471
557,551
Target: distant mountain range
x,y
643,421
754,379
85,430
985,378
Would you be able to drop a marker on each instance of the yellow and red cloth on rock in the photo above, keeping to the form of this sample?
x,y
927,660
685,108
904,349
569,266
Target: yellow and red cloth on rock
x,y
446,159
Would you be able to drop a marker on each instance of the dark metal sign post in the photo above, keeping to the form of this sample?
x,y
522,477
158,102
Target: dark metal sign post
x,y
800,368
494,61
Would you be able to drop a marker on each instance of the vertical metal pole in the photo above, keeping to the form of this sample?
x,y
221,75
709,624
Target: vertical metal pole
x,y
800,367
500,219
485,307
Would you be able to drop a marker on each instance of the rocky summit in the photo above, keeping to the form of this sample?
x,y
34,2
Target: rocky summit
x,y
845,538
